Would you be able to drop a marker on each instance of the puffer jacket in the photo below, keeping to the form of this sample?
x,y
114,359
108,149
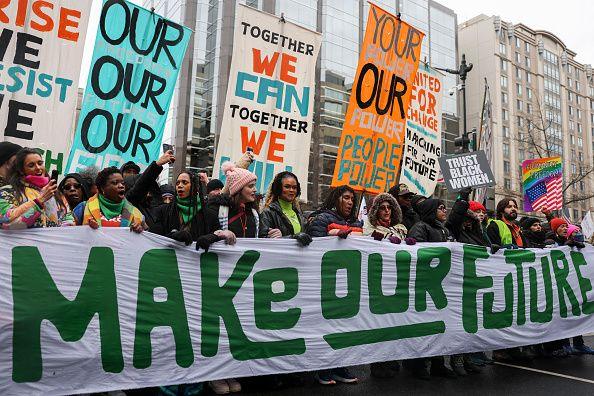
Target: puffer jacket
x,y
410,217
465,226
273,217
429,229
372,223
320,220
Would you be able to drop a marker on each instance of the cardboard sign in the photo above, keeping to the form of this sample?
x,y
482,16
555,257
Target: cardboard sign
x,y
420,167
466,170
542,184
270,97
41,48
372,139
137,57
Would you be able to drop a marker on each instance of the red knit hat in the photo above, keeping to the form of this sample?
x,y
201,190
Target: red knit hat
x,y
476,206
237,178
556,222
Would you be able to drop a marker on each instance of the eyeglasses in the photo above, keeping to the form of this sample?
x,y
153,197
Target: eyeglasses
x,y
442,208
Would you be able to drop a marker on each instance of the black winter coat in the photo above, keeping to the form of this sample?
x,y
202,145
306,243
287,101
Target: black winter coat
x,y
318,226
471,233
136,195
409,217
495,238
167,219
429,229
212,218
273,217
536,239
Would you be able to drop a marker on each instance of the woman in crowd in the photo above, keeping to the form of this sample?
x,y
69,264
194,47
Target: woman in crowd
x,y
384,220
110,208
534,233
74,188
282,215
31,199
233,215
336,217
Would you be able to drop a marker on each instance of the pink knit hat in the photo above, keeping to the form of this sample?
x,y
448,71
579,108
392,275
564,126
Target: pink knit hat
x,y
237,178
571,229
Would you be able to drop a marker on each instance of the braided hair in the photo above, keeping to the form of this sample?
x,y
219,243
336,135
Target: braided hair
x,y
196,195
331,201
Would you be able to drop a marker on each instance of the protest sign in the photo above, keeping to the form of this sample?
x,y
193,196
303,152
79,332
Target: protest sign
x,y
87,310
420,167
542,183
41,48
466,170
136,60
370,149
269,103
587,225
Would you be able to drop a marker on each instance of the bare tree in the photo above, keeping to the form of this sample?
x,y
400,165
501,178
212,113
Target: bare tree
x,y
539,141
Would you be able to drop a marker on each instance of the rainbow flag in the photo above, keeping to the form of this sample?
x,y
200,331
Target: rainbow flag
x,y
542,184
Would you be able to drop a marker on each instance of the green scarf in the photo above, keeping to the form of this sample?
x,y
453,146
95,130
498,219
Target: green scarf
x,y
287,208
186,210
109,208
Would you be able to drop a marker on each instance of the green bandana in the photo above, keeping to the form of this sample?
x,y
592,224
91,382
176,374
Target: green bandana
x,y
186,210
110,209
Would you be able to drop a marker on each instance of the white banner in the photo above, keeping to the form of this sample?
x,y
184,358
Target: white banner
x,y
420,169
269,103
587,225
41,44
88,311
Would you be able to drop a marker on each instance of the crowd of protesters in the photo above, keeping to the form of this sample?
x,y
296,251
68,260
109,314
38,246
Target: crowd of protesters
x,y
206,211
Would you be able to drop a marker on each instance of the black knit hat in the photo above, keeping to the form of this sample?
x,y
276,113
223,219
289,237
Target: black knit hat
x,y
526,222
7,150
214,184
130,165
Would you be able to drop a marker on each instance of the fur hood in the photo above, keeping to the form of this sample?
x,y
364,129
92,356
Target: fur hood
x,y
372,213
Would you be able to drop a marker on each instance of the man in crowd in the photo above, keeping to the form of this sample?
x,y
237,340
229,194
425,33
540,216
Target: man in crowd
x,y
8,152
503,231
130,169
404,197
214,188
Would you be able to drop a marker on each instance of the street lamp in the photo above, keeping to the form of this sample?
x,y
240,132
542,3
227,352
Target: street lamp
x,y
462,71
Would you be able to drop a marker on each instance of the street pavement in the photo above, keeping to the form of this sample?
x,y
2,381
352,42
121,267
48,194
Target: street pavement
x,y
572,376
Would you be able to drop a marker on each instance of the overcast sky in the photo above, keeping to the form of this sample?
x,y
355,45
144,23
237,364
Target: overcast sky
x,y
571,20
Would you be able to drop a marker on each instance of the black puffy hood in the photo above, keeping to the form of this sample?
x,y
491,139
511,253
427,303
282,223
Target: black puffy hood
x,y
428,210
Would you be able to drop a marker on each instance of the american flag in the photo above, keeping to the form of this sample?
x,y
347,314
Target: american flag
x,y
546,193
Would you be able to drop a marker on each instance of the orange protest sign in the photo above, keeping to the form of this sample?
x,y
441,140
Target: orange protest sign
x,y
372,138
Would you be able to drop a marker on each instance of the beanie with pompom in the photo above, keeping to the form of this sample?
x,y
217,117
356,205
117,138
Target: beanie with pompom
x,y
237,178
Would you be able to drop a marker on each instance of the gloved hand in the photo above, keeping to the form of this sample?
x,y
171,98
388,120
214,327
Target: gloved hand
x,y
303,238
495,248
343,234
205,241
181,236
395,240
410,241
378,236
464,194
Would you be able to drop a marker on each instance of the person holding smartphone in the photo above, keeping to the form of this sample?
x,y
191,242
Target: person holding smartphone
x,y
29,200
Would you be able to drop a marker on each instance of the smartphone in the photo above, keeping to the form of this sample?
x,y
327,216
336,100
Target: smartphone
x,y
168,147
54,175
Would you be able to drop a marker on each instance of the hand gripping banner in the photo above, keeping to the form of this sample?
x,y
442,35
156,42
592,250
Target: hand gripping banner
x,y
85,310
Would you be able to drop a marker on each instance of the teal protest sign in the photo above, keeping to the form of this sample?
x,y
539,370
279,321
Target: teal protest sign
x,y
137,57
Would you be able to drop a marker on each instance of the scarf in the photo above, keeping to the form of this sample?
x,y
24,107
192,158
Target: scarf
x,y
287,208
109,208
37,181
384,223
515,230
186,210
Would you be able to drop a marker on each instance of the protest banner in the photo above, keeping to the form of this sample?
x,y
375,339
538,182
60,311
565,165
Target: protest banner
x,y
466,170
269,103
420,167
587,225
370,149
136,60
542,184
41,48
87,310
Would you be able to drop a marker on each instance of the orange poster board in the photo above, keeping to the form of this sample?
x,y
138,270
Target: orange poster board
x,y
372,138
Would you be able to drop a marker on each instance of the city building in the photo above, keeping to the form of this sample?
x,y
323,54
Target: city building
x,y
542,105
197,108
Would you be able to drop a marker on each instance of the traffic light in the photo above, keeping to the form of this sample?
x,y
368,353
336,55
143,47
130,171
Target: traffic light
x,y
463,142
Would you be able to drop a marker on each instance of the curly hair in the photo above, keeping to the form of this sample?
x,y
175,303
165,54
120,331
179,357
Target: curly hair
x,y
331,201
103,176
276,188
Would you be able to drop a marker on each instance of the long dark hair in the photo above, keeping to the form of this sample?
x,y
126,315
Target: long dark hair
x,y
17,172
276,188
331,201
196,194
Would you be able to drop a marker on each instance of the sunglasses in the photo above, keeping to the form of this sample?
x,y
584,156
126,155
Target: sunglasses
x,y
442,208
385,207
